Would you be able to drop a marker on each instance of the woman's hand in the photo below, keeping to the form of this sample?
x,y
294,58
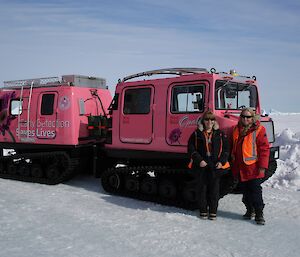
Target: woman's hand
x,y
219,165
203,164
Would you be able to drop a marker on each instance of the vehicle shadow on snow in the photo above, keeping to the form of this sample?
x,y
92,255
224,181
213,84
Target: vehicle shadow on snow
x,y
229,215
144,205
87,182
92,184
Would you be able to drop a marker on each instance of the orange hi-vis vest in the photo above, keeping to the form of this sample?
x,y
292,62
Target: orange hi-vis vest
x,y
249,148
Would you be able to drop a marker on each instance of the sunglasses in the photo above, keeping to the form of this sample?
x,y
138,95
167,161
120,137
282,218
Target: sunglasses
x,y
246,117
207,119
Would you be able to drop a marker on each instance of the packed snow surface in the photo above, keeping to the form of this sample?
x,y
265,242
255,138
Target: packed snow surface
x,y
79,219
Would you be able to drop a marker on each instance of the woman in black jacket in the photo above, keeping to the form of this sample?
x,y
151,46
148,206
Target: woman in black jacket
x,y
209,151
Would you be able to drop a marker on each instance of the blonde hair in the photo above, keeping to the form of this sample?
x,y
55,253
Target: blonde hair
x,y
249,109
255,118
252,112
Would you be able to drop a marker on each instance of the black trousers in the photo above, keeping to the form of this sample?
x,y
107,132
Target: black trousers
x,y
209,188
252,194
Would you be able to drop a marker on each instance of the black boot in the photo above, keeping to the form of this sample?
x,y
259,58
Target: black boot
x,y
212,216
203,213
259,217
250,213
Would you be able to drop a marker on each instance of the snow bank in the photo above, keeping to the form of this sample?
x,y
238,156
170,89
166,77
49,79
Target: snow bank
x,y
275,112
288,172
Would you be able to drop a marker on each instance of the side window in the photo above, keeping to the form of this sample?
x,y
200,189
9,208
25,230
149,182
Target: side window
x,y
47,104
16,107
137,101
189,98
81,107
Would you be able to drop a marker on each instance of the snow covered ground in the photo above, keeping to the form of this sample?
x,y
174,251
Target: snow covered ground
x,y
287,129
78,219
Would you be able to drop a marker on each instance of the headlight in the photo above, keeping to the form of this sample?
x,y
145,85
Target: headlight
x,y
274,152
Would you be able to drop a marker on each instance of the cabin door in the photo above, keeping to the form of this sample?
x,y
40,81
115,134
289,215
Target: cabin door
x,y
136,115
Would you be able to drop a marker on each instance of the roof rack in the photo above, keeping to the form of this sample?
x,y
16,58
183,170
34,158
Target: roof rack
x,y
72,80
173,71
28,82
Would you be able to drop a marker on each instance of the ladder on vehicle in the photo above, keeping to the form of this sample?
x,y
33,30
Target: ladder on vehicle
x,y
21,109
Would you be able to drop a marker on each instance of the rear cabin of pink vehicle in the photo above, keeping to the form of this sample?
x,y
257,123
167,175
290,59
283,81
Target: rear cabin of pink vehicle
x,y
137,141
45,121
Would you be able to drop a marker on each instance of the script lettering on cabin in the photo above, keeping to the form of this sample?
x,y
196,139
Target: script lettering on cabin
x,y
185,122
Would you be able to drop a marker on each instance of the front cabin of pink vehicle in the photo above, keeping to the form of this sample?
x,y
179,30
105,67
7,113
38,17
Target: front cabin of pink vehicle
x,y
153,118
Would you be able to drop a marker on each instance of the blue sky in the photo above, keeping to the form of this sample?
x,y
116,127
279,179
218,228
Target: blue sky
x,y
112,39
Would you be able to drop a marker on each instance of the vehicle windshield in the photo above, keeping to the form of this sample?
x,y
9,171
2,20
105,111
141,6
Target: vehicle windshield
x,y
234,96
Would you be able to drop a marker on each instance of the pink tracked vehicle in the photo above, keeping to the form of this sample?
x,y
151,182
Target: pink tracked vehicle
x,y
45,121
152,120
136,141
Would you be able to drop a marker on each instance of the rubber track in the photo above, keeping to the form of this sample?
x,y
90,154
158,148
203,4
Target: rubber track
x,y
271,170
70,164
165,171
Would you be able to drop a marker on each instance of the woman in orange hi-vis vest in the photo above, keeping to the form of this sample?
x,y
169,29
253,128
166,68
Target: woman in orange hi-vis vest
x,y
250,158
209,151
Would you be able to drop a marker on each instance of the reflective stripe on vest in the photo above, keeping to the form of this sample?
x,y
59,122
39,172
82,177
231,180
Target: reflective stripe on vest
x,y
249,148
227,164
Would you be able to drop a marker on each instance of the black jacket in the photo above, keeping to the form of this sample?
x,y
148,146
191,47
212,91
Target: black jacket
x,y
219,139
